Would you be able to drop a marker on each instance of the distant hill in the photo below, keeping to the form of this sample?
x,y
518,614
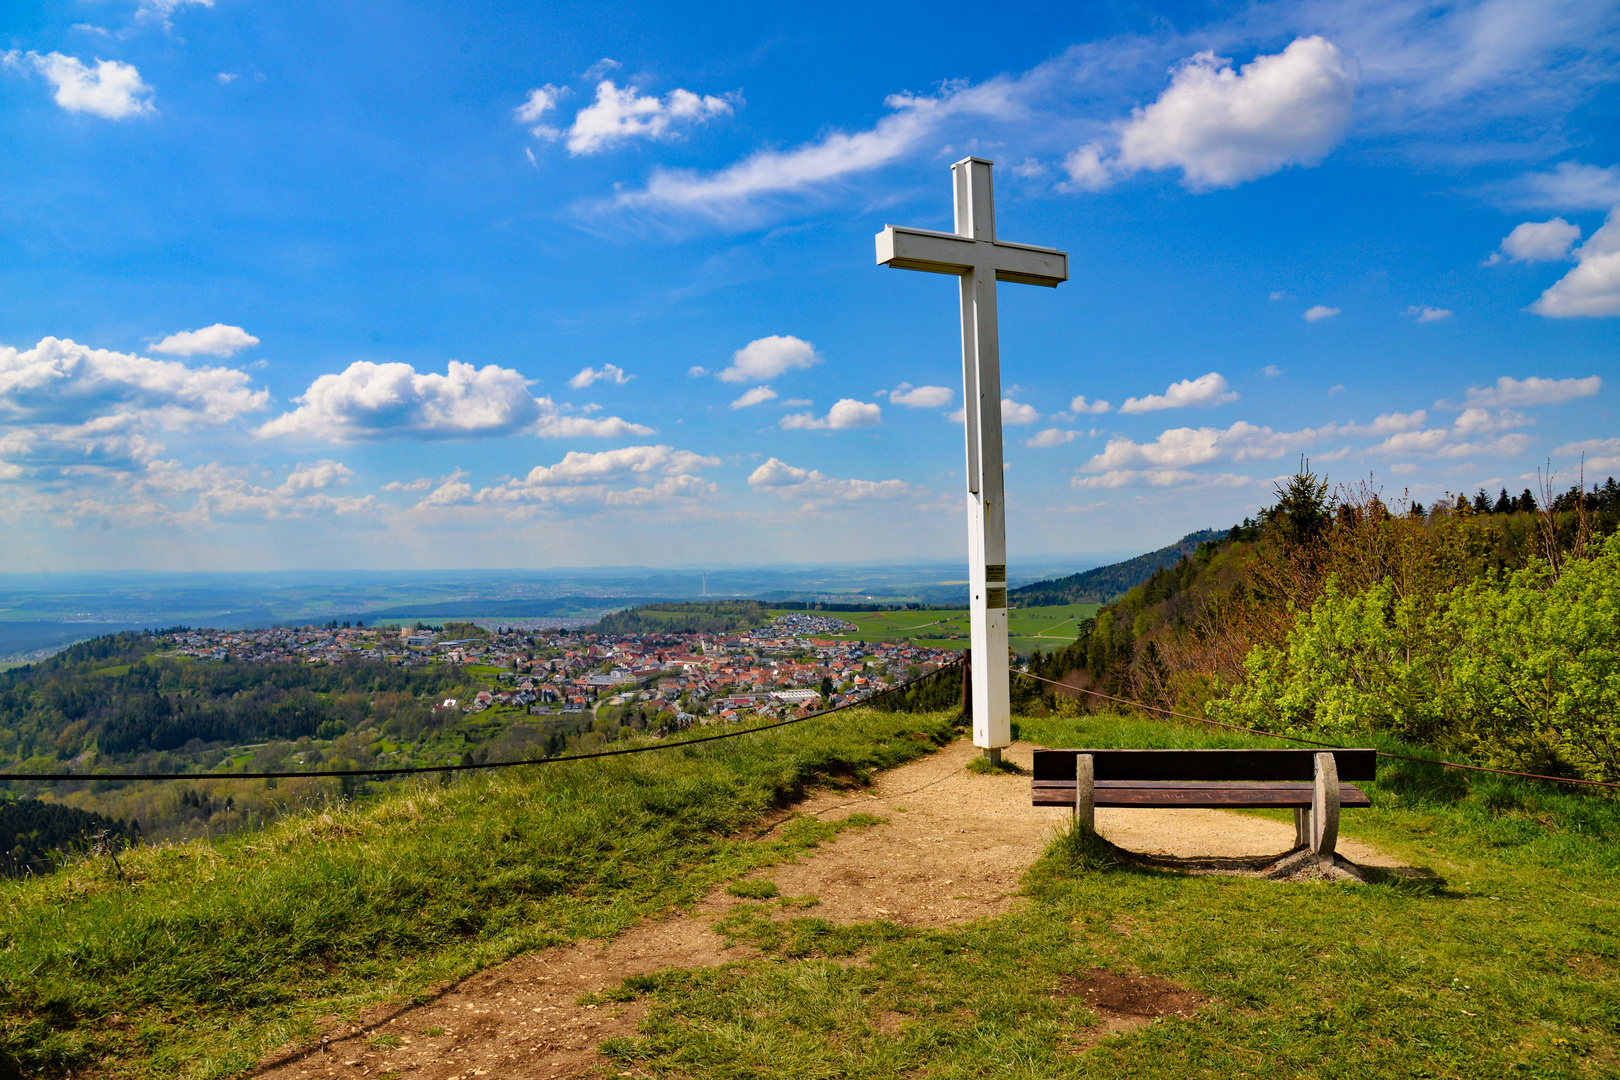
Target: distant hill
x,y
1107,583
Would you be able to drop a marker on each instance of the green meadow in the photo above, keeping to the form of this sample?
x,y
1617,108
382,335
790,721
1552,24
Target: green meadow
x,y
1044,628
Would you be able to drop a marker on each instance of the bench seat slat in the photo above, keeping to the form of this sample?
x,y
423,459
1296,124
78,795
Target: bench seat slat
x,y
1166,795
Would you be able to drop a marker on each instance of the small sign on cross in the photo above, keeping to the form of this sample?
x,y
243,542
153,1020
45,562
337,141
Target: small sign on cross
x,y
974,256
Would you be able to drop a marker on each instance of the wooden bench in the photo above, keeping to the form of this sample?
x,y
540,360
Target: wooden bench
x,y
1312,783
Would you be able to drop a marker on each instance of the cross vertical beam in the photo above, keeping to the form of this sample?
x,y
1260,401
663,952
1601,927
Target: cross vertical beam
x,y
974,255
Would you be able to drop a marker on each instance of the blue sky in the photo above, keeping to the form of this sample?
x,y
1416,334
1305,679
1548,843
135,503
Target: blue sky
x,y
383,285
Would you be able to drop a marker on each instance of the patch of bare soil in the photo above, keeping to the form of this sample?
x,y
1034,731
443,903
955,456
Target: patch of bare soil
x,y
953,847
1125,1002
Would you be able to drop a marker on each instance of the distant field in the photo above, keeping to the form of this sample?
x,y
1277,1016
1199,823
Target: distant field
x,y
1044,628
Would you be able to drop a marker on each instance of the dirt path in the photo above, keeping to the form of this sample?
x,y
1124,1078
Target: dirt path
x,y
952,849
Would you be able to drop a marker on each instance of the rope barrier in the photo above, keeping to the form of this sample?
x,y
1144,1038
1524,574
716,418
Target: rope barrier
x,y
486,764
1314,742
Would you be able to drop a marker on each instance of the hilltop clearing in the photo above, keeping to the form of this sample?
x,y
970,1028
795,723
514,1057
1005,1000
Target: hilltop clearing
x,y
1029,628
923,949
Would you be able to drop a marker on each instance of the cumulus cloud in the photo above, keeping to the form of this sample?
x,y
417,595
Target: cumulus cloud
x,y
1016,412
1318,312
1052,437
1569,186
1592,288
1271,371
1537,241
612,373
161,10
533,111
111,89
1183,447
617,116
790,482
757,396
1080,406
628,476
383,401
1465,437
421,483
845,413
1596,453
768,357
1423,314
921,397
1509,392
217,340
59,381
1204,391
1222,127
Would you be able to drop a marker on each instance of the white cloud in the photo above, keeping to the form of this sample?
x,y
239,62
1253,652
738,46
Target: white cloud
x,y
1592,288
1118,478
1424,314
1183,447
697,371
541,100
1013,412
1271,371
1538,241
111,90
1570,186
1222,127
768,357
1597,454
845,413
61,382
1081,406
921,397
758,395
160,10
1462,438
226,77
612,373
1052,437
381,401
217,340
1204,391
653,473
1510,392
790,482
1319,312
724,194
421,483
617,116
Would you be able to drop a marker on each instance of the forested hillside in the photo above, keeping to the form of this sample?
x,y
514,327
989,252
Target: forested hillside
x,y
1106,583
117,694
1484,626
694,617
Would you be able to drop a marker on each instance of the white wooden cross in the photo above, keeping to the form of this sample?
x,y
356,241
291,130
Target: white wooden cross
x,y
974,255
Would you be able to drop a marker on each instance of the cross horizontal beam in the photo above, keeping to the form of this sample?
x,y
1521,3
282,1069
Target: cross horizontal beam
x,y
948,253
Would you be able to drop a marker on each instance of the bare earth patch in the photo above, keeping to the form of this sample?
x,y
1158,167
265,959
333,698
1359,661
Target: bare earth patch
x,y
952,848
1125,1002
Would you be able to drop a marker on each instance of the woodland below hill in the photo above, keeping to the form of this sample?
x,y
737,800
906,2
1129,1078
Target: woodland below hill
x,y
1481,626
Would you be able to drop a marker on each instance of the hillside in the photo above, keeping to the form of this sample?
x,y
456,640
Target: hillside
x,y
692,617
1107,583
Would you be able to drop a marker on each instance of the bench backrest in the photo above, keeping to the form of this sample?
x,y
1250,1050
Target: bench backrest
x,y
1207,765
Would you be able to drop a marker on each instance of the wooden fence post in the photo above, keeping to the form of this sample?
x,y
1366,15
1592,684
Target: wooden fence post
x,y
1085,791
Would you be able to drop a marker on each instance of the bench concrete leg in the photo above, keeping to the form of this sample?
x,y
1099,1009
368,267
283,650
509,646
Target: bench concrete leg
x,y
1085,791
1325,808
1302,827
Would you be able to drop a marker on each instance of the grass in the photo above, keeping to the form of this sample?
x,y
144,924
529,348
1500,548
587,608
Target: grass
x,y
1501,958
1499,961
200,958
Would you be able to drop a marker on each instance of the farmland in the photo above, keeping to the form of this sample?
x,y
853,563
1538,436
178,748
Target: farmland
x,y
1044,628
